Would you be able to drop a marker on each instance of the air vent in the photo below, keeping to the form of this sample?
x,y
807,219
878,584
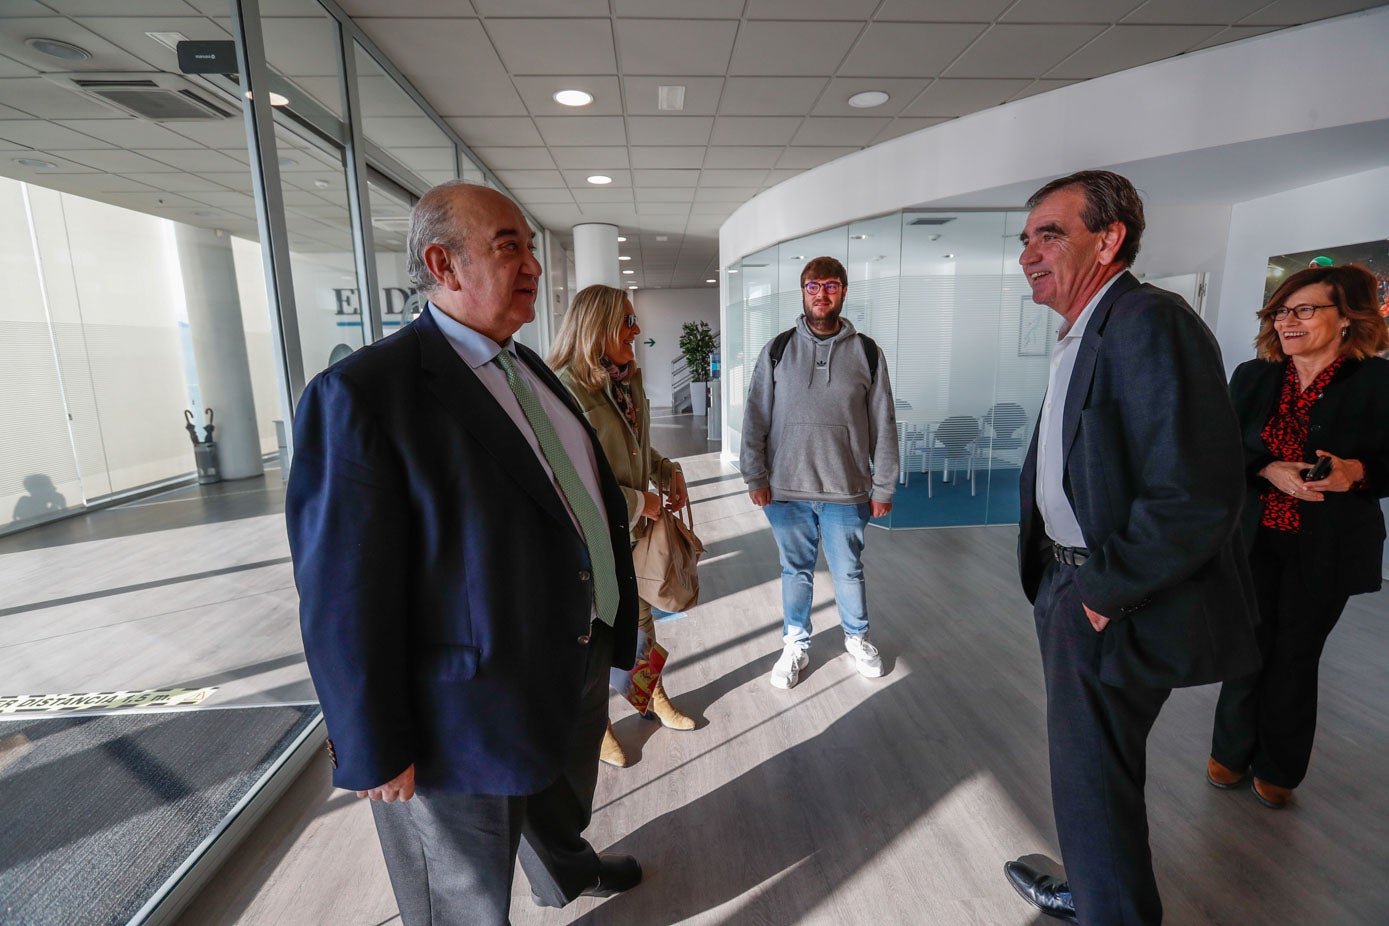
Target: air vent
x,y
157,97
932,220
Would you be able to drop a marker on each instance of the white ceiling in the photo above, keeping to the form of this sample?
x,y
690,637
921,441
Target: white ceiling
x,y
766,84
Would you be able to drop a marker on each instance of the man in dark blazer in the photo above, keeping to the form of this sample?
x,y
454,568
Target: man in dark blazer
x,y
1129,545
465,579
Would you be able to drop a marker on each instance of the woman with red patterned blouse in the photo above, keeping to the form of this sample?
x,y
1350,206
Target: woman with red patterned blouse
x,y
1315,392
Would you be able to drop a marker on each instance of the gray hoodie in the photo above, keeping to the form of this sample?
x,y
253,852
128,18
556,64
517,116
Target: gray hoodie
x,y
814,423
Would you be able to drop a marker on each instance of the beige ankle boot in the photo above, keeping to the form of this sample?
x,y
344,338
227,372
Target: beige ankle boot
x,y
668,713
611,751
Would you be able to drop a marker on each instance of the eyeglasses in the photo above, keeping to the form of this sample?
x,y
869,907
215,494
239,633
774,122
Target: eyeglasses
x,y
630,321
831,288
1303,312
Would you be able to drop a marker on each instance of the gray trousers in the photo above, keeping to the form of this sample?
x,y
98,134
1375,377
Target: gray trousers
x,y
451,856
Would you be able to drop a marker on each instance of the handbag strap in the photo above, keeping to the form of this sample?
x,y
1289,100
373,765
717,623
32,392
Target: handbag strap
x,y
686,514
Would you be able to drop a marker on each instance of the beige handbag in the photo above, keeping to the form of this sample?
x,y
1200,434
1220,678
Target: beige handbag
x,y
667,561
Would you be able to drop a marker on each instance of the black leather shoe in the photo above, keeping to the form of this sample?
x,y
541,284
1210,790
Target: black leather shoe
x,y
1050,895
616,873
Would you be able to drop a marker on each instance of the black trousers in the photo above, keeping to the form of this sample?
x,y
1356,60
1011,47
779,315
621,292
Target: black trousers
x,y
1097,738
1267,721
451,856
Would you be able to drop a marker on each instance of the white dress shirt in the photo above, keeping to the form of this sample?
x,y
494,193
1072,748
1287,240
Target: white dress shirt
x,y
1058,516
479,352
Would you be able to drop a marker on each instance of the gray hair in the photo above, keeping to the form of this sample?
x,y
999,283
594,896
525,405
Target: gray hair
x,y
432,222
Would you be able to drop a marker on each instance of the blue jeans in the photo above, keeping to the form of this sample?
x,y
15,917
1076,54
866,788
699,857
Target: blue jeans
x,y
799,528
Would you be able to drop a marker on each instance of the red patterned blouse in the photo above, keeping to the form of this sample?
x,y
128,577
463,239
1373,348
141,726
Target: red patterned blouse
x,y
1285,436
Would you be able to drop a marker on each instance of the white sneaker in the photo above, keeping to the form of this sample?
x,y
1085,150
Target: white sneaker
x,y
870,664
787,670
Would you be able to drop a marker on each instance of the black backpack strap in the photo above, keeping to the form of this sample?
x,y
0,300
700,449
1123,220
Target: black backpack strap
x,y
779,346
870,349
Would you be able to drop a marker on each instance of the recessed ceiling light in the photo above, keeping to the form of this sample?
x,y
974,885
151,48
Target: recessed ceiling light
x,y
629,272
948,256
600,180
204,212
625,257
573,97
711,281
322,184
868,99
288,162
56,49
731,270
858,237
670,97
621,239
34,162
662,237
633,286
276,99
169,40
796,257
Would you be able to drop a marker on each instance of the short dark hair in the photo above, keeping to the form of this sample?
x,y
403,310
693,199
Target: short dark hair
x,y
1355,292
1109,198
825,268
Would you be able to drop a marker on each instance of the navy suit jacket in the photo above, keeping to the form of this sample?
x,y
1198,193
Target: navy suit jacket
x,y
1155,475
443,586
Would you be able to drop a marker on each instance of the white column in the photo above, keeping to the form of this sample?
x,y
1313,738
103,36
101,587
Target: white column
x,y
219,346
595,255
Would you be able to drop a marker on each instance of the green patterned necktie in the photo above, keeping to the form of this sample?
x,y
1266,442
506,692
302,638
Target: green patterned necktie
x,y
591,520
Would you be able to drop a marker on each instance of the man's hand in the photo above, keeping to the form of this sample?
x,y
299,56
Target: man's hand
x,y
761,497
399,788
679,495
1098,621
1286,477
879,509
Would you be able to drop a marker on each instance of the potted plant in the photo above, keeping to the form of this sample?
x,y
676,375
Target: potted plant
x,y
697,345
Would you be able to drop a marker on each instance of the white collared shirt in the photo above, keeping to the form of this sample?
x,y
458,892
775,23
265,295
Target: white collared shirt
x,y
479,351
1058,516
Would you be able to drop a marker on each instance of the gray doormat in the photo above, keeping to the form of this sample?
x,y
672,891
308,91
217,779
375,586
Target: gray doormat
x,y
98,812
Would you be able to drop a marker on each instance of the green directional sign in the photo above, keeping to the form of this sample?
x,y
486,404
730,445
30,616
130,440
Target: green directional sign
x,y
650,342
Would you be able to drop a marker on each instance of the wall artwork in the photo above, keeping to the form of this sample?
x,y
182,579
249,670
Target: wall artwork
x,y
1034,329
1372,255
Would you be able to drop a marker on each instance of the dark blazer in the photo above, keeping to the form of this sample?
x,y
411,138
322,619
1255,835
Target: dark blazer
x,y
443,586
1154,472
1341,538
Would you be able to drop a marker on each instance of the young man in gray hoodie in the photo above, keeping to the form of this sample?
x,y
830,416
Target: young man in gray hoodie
x,y
819,457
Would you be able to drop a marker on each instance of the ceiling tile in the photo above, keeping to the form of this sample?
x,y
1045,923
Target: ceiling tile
x,y
12,68
174,181
195,160
104,55
955,97
666,178
303,48
364,8
593,156
908,49
754,130
538,95
838,130
1189,12
531,179
1234,34
452,61
1129,46
34,8
36,133
1021,51
581,130
731,178
770,96
680,9
669,156
663,208
790,47
742,156
942,11
227,133
780,175
547,8
1041,86
129,33
673,46
47,100
114,160
60,165
1295,12
131,133
724,194
548,196
516,158
669,130
554,46
806,157
595,195
901,126
810,10
482,131
835,101
578,180
701,95
668,195
1070,11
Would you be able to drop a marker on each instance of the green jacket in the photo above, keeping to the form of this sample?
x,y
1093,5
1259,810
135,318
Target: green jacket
x,y
635,463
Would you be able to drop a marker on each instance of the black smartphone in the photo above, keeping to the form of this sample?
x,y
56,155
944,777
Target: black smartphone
x,y
1320,471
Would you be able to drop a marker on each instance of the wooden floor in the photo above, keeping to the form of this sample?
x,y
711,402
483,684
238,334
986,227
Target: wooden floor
x,y
843,801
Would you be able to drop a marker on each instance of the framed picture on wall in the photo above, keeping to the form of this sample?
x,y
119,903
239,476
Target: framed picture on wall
x,y
1034,329
1372,255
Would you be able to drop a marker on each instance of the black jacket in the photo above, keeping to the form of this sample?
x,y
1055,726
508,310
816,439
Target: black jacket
x,y
1341,538
1154,473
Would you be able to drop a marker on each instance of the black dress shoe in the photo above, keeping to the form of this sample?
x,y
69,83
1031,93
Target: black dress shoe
x,y
616,873
1050,895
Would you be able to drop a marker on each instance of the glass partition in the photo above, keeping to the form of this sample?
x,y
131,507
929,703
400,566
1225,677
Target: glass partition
x,y
967,349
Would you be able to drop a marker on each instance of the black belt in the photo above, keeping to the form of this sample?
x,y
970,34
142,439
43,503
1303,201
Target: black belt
x,y
1070,556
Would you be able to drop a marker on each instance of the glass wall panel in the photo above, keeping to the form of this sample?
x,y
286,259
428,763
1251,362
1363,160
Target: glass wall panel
x,y
397,130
